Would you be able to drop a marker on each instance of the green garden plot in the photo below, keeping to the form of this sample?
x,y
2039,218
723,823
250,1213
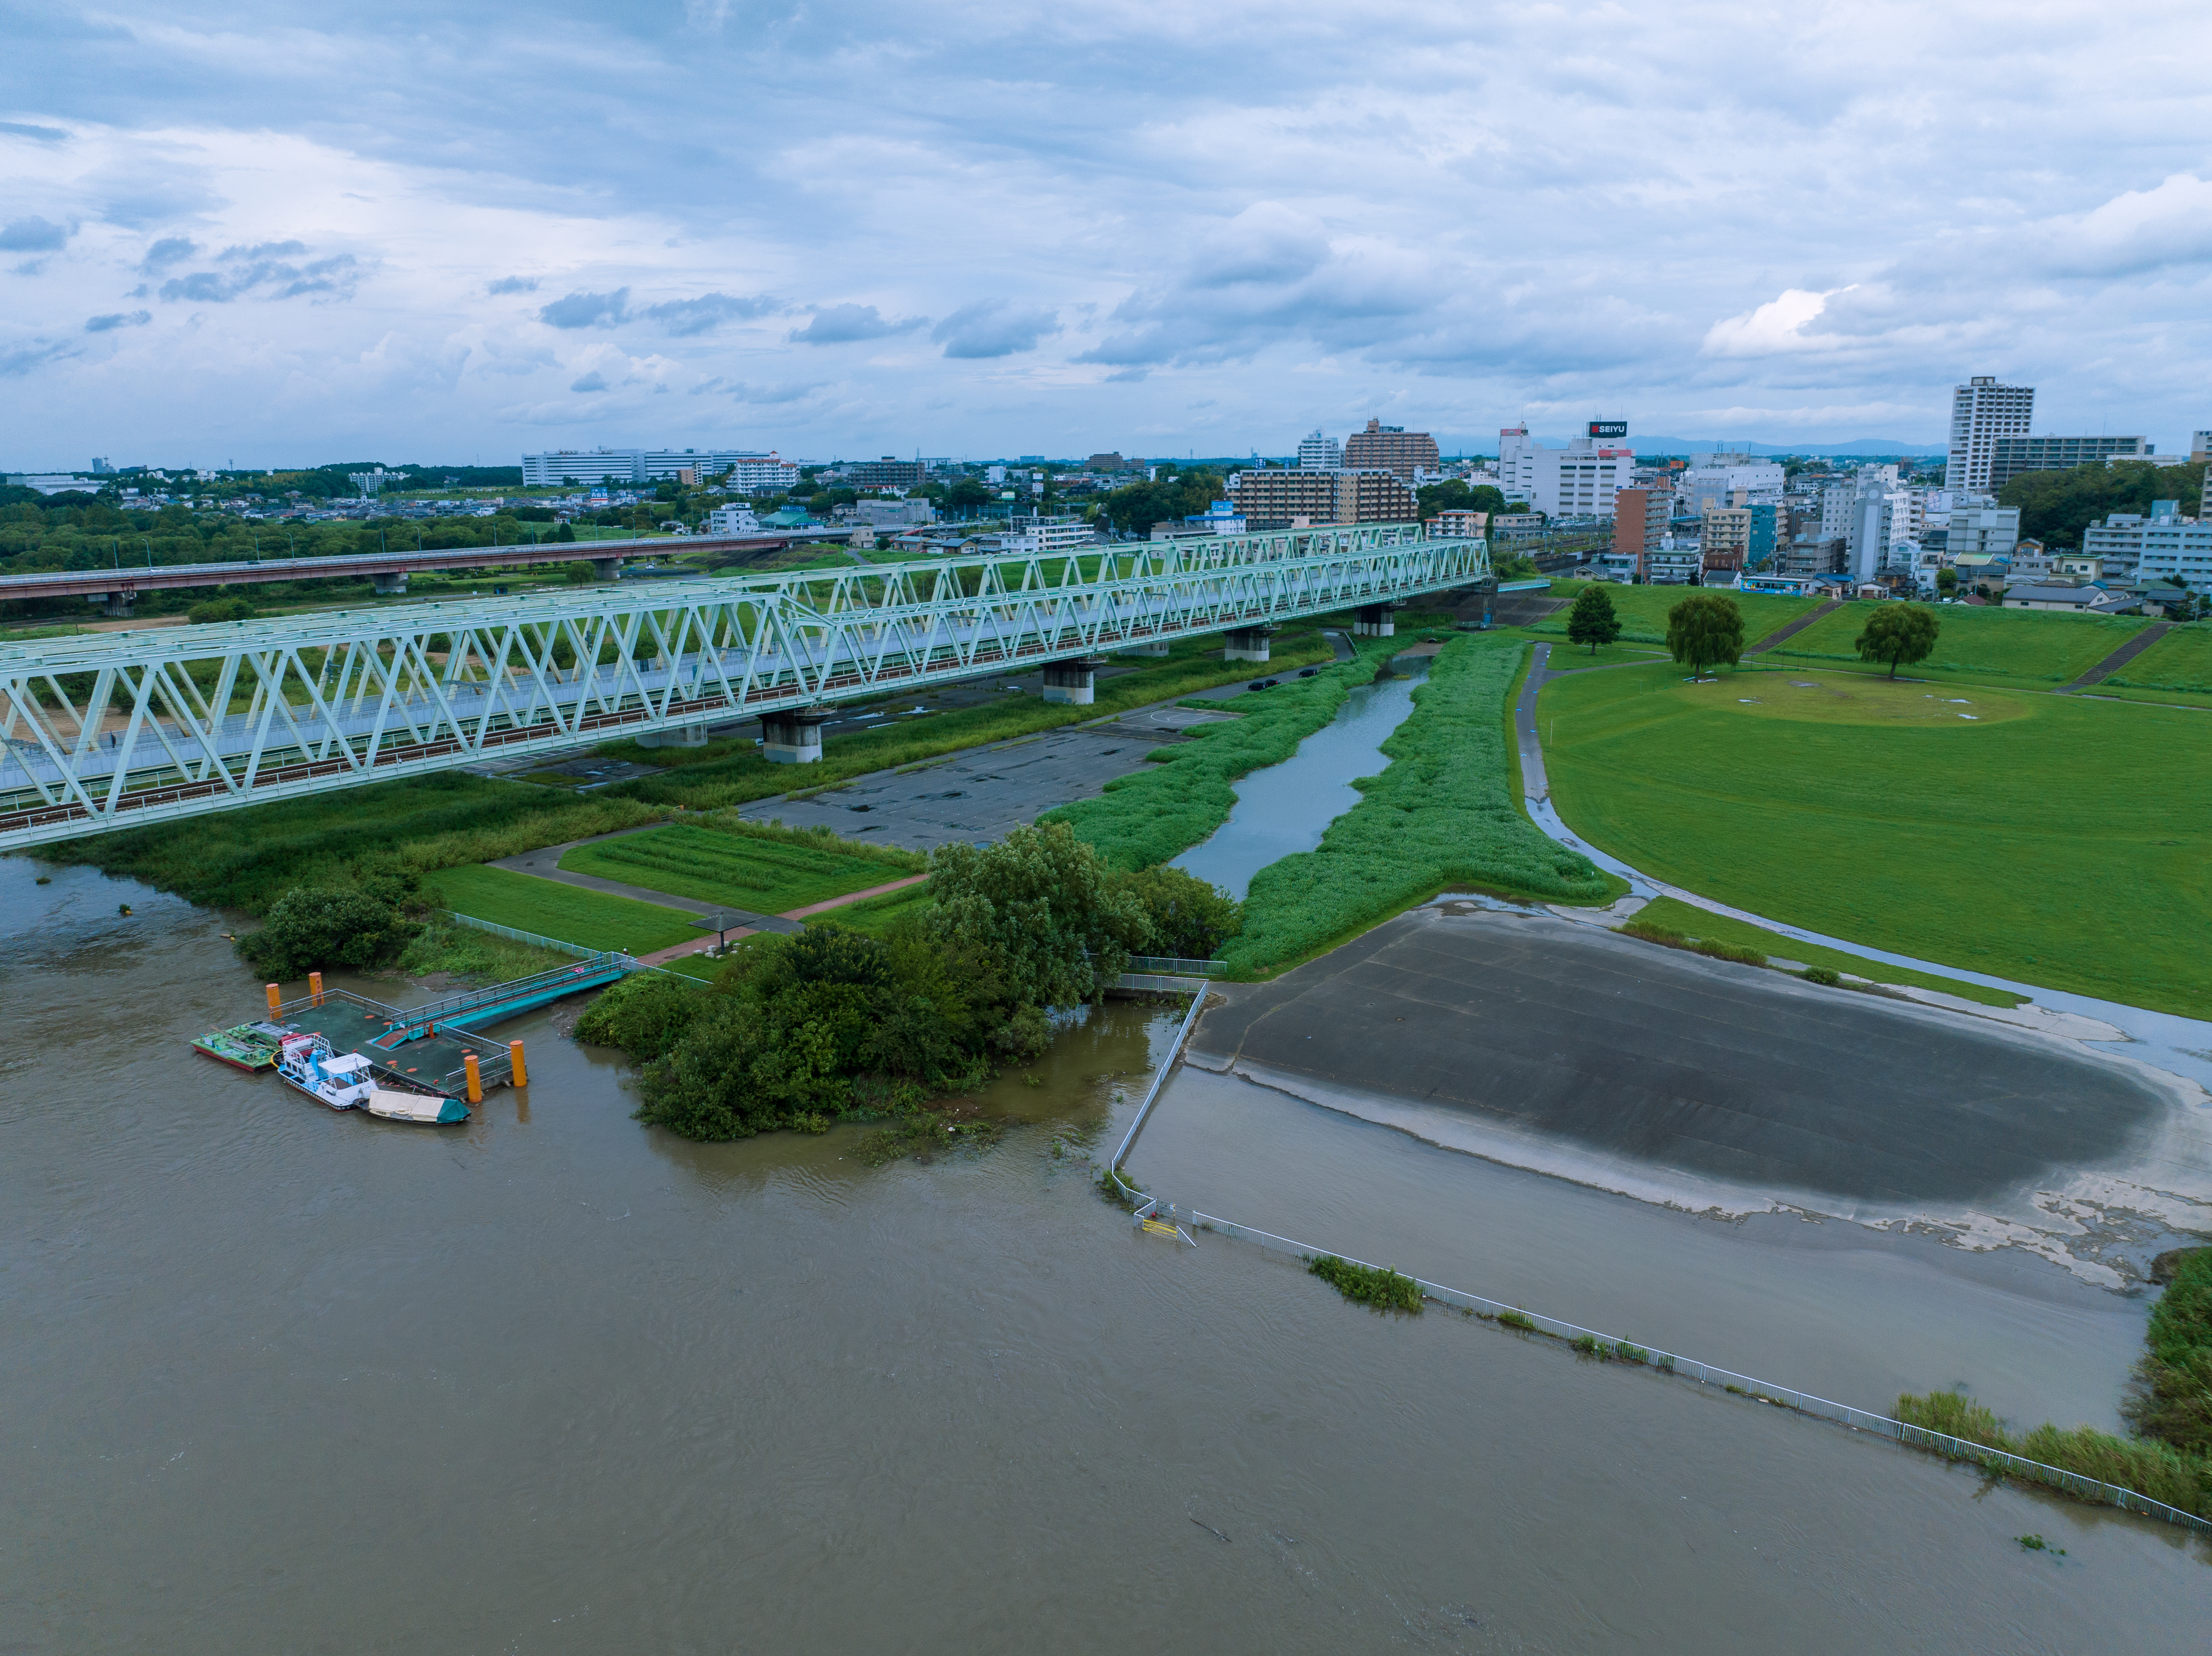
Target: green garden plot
x,y
591,919
2049,839
876,915
2181,660
768,877
2031,645
1643,611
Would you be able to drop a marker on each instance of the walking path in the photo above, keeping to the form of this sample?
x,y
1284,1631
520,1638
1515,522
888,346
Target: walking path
x,y
2120,658
787,921
2182,1045
1780,633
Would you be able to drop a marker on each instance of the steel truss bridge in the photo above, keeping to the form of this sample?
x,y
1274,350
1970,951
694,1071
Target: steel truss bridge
x,y
123,729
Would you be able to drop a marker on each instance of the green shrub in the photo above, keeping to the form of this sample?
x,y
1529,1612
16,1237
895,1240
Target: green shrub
x,y
2172,1400
1824,974
643,1015
2148,1467
214,610
1186,917
315,928
1369,1285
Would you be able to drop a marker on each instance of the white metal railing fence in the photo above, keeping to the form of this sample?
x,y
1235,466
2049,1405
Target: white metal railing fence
x,y
1594,1344
1159,1078
1155,983
531,937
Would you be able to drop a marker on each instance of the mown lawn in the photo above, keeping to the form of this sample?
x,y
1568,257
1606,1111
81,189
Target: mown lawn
x,y
1643,611
592,919
768,877
2032,646
2181,660
2049,839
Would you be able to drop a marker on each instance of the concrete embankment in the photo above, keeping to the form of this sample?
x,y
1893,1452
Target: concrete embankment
x,y
1712,1086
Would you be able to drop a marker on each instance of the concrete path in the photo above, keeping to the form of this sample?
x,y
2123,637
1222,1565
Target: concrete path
x,y
2120,658
1794,627
789,921
2179,1045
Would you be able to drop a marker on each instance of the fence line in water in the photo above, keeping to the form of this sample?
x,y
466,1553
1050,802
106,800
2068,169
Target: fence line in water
x,y
1594,1344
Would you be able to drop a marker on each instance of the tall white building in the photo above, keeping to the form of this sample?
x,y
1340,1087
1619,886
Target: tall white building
x,y
1982,529
1982,411
1578,481
1319,452
1717,482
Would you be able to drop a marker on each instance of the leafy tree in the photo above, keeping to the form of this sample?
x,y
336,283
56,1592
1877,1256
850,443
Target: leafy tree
x,y
1703,631
1898,633
213,609
1135,507
2055,506
1592,620
967,493
1454,494
1947,580
310,928
1188,917
1044,903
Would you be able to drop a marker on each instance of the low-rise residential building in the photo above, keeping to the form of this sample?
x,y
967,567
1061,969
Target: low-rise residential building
x,y
1459,524
1674,562
1047,535
733,521
2085,599
897,512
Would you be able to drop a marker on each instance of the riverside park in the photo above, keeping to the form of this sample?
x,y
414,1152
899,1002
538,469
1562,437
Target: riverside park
x,y
1693,1023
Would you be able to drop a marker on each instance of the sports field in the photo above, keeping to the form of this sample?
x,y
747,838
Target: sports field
x,y
2041,838
592,920
2029,646
767,876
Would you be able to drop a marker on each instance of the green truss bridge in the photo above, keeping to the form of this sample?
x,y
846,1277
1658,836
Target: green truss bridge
x,y
123,729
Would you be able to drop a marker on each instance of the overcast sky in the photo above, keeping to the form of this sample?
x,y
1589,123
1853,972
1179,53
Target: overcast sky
x,y
302,233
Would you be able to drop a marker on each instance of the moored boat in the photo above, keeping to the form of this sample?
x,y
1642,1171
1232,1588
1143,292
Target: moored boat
x,y
346,1080
248,1047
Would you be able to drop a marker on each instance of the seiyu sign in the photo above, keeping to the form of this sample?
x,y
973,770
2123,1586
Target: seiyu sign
x,y
1608,427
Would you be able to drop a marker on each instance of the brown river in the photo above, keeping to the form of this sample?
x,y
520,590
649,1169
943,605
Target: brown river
x,y
281,1380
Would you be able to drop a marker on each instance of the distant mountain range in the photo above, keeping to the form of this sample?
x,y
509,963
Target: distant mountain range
x,y
1643,445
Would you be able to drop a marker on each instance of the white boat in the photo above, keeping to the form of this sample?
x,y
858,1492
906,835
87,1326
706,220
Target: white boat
x,y
344,1081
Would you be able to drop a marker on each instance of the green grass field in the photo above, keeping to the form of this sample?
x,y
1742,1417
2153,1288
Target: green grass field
x,y
2048,840
590,918
1643,611
2181,660
2028,645
1674,915
768,877
875,915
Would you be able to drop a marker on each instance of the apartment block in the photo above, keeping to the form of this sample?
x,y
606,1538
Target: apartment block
x,y
2011,455
1276,498
1319,452
889,472
1639,523
1724,536
2136,547
1459,525
1982,411
1387,448
639,465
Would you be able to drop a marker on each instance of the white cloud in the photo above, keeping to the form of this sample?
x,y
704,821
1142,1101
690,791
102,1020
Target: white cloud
x,y
1775,327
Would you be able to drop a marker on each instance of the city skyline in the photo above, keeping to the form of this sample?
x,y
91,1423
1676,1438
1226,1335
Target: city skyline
x,y
272,237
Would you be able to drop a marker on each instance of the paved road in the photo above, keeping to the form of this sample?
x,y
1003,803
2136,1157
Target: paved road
x,y
1537,1028
1794,627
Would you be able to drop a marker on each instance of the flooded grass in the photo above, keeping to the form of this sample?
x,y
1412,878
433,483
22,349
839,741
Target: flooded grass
x,y
1369,1285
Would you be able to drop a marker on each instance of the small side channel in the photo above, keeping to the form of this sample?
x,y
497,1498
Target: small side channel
x,y
1286,808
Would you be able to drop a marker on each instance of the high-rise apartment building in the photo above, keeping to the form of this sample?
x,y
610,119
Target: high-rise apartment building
x,y
1276,498
1982,411
1319,452
1388,448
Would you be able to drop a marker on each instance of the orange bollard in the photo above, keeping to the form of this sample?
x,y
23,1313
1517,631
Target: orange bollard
x,y
274,998
521,1077
476,1078
315,987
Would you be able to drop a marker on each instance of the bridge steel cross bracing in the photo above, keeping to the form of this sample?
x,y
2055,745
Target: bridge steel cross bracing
x,y
123,729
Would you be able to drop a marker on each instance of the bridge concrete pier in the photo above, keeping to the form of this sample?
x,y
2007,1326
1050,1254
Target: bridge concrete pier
x,y
393,585
1373,620
607,568
686,736
794,738
1245,644
117,604
1074,680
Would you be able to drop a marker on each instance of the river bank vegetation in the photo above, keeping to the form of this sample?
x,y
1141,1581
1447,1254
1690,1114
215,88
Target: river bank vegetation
x,y
2169,1456
799,1031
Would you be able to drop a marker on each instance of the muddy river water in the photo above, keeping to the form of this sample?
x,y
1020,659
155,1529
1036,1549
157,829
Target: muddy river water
x,y
282,1380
